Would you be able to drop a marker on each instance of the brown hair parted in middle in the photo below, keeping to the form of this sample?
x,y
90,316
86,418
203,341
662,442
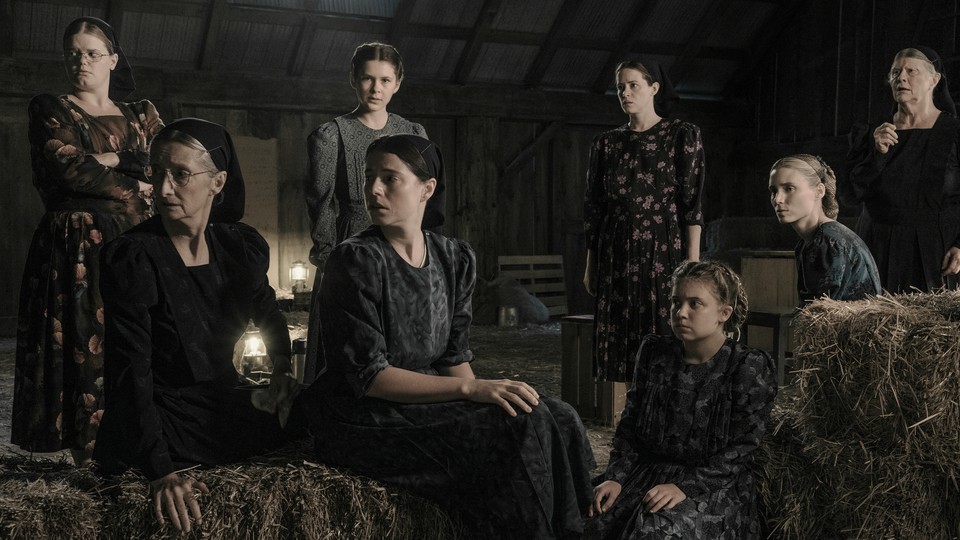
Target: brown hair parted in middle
x,y
637,65
725,284
815,170
375,51
81,26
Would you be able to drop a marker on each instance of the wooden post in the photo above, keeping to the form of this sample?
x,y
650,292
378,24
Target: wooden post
x,y
476,179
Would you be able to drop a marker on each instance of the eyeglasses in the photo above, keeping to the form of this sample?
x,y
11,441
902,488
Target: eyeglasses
x,y
180,178
76,56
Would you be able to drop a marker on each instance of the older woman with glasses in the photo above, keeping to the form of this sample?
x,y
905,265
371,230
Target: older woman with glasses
x,y
88,153
178,292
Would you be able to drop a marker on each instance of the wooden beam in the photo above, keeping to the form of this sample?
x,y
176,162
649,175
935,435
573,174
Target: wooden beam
x,y
923,15
7,30
628,39
401,21
550,46
528,152
301,50
472,50
114,17
763,44
211,50
703,30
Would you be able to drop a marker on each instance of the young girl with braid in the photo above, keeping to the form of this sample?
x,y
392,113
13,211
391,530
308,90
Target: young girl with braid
x,y
680,467
831,259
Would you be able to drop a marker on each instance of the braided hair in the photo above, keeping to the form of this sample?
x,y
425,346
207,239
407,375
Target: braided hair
x,y
816,171
724,282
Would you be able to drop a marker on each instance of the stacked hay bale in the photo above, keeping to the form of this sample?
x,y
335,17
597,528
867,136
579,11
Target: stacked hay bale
x,y
866,444
272,498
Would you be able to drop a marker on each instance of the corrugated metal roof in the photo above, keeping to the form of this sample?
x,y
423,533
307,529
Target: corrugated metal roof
x,y
163,37
365,8
527,16
461,13
40,26
430,59
739,26
675,25
330,52
706,76
602,18
574,69
256,46
498,62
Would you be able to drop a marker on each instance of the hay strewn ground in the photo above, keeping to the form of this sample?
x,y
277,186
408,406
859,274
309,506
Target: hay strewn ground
x,y
866,445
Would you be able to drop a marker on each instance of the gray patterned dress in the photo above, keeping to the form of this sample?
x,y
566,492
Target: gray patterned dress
x,y
695,426
835,263
520,477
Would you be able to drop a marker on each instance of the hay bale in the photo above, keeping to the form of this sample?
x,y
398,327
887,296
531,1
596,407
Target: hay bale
x,y
867,443
273,497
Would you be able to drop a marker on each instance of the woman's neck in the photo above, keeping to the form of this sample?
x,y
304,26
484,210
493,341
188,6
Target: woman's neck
x,y
375,120
643,120
807,227
92,101
190,241
408,242
916,115
700,351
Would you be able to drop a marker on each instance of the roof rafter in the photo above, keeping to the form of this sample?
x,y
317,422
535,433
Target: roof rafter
x,y
6,28
472,49
703,30
211,50
629,37
763,43
550,45
401,21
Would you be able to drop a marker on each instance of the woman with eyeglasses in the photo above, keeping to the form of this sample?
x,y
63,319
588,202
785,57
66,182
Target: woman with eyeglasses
x,y
178,291
88,153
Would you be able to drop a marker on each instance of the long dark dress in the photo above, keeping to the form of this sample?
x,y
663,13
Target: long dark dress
x,y
911,202
835,263
171,386
521,477
643,189
59,367
695,426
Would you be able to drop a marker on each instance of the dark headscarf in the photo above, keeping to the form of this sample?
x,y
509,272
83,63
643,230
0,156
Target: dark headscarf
x,y
941,93
229,204
433,214
122,83
666,98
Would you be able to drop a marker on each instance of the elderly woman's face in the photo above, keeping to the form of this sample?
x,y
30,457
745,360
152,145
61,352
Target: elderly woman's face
x,y
912,80
395,196
88,63
184,188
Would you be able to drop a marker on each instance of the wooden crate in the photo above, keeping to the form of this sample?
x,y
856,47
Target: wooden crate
x,y
594,400
541,275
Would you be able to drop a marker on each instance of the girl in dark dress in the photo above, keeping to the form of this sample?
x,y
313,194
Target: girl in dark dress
x,y
399,401
907,175
831,259
680,467
641,215
88,149
179,290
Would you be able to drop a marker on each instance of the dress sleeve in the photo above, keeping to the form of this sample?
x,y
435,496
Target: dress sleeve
x,y
626,453
824,267
458,346
864,165
147,124
64,161
419,130
351,294
265,311
323,148
129,288
753,390
595,194
691,171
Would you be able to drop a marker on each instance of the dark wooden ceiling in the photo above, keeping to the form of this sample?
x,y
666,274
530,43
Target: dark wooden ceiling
x,y
572,45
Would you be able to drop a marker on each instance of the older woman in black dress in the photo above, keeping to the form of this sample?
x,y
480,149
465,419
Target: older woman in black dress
x,y
907,175
399,401
88,148
179,290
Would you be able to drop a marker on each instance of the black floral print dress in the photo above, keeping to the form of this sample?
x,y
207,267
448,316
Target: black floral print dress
x,y
643,189
503,477
695,426
59,368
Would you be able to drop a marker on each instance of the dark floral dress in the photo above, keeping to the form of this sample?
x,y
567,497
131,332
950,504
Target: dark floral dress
x,y
835,263
59,367
503,477
695,426
643,189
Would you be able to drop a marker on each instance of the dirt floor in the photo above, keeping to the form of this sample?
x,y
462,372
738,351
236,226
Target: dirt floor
x,y
529,354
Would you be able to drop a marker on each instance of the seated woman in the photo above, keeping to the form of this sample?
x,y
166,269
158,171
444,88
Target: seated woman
x,y
699,404
398,400
178,292
831,259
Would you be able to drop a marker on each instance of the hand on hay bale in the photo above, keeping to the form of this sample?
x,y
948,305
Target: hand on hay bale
x,y
278,398
175,493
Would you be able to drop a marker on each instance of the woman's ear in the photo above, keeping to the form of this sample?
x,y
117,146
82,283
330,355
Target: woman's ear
x,y
725,312
821,190
429,187
218,182
656,87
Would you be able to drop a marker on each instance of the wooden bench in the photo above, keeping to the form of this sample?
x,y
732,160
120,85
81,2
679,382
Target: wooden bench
x,y
541,275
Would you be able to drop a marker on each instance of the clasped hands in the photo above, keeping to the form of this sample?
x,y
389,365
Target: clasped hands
x,y
661,496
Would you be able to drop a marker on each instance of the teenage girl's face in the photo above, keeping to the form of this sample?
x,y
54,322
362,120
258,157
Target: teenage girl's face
x,y
794,200
375,85
394,194
695,311
83,72
634,92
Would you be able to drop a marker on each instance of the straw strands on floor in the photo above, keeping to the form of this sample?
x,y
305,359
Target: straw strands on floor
x,y
276,497
866,443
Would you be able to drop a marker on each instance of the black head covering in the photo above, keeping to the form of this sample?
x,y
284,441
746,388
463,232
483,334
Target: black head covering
x,y
433,215
122,83
941,93
666,98
229,205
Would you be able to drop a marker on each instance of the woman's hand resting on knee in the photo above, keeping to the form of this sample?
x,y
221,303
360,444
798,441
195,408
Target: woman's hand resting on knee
x,y
504,392
604,496
663,496
174,493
